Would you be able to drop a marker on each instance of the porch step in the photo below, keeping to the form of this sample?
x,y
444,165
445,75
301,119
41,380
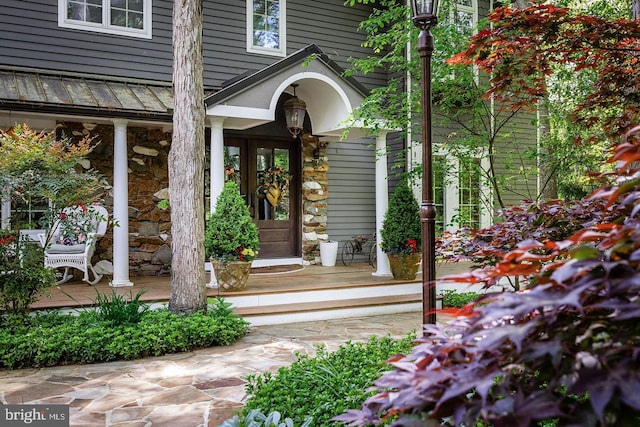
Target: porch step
x,y
327,305
323,304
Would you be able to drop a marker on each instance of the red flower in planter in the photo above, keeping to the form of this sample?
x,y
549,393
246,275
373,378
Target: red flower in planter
x,y
413,244
6,241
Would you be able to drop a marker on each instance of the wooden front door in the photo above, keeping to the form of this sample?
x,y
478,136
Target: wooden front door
x,y
279,225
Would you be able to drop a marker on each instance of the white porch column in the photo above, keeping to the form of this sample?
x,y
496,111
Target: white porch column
x,y
216,166
382,201
216,173
120,205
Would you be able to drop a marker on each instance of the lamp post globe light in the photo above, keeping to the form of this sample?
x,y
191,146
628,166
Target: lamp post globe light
x,y
425,14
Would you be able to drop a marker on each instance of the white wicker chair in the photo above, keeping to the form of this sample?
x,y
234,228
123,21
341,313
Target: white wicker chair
x,y
77,255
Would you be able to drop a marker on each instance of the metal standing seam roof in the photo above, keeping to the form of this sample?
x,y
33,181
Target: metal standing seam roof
x,y
60,93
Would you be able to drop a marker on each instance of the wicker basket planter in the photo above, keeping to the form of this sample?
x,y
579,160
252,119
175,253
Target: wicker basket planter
x,y
404,266
232,276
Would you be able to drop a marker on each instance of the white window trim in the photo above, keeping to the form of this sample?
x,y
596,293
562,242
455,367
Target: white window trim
x,y
452,190
473,10
105,27
282,51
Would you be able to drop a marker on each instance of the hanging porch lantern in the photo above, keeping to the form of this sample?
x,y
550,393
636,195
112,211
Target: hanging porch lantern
x,y
294,112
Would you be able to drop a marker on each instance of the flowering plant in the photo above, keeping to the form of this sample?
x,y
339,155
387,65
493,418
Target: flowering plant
x,y
273,177
246,254
76,223
8,248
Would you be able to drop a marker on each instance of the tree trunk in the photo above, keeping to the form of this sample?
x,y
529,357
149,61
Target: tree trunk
x,y
636,9
547,161
186,161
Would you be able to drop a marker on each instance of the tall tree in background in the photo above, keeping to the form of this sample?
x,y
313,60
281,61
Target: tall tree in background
x,y
186,161
478,128
523,47
388,28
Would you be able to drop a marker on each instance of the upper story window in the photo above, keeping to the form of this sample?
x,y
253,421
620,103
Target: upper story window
x,y
466,16
266,27
123,17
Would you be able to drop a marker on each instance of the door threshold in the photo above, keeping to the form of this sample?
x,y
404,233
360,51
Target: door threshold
x,y
270,262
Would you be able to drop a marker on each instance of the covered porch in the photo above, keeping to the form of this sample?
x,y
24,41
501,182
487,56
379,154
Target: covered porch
x,y
309,293
136,138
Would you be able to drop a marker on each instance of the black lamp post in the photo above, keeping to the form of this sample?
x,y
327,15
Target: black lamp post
x,y
425,14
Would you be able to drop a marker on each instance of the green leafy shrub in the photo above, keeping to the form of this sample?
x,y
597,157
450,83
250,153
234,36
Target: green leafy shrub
x,y
55,339
452,298
326,384
118,310
23,275
401,231
231,234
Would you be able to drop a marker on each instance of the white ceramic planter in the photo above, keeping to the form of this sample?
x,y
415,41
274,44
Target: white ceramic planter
x,y
328,253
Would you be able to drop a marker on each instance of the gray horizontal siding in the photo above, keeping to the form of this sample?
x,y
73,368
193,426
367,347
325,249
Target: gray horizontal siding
x,y
351,204
328,24
517,141
31,38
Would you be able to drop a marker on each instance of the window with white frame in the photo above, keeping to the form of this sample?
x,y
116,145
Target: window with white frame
x,y
266,27
439,188
123,17
465,16
469,193
460,194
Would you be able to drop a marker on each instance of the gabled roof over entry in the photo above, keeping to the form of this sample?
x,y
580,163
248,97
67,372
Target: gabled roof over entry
x,y
251,99
248,80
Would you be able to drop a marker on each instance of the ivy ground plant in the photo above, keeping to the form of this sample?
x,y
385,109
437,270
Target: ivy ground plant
x,y
322,386
117,330
564,352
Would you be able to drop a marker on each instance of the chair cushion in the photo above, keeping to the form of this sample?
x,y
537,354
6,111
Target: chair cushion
x,y
66,249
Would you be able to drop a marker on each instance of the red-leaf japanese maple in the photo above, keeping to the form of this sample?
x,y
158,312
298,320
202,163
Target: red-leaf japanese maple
x,y
566,349
522,48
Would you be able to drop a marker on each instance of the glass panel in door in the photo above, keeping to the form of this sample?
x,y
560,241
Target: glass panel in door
x,y
274,208
272,166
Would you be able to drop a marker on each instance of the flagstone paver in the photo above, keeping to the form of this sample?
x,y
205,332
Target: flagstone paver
x,y
196,389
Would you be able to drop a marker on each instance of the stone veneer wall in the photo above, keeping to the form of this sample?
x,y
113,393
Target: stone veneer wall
x,y
149,226
314,197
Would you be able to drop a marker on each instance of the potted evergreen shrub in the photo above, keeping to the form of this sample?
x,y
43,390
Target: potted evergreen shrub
x,y
231,239
401,235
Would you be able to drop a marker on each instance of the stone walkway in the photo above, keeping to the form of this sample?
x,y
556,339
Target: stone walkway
x,y
200,388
